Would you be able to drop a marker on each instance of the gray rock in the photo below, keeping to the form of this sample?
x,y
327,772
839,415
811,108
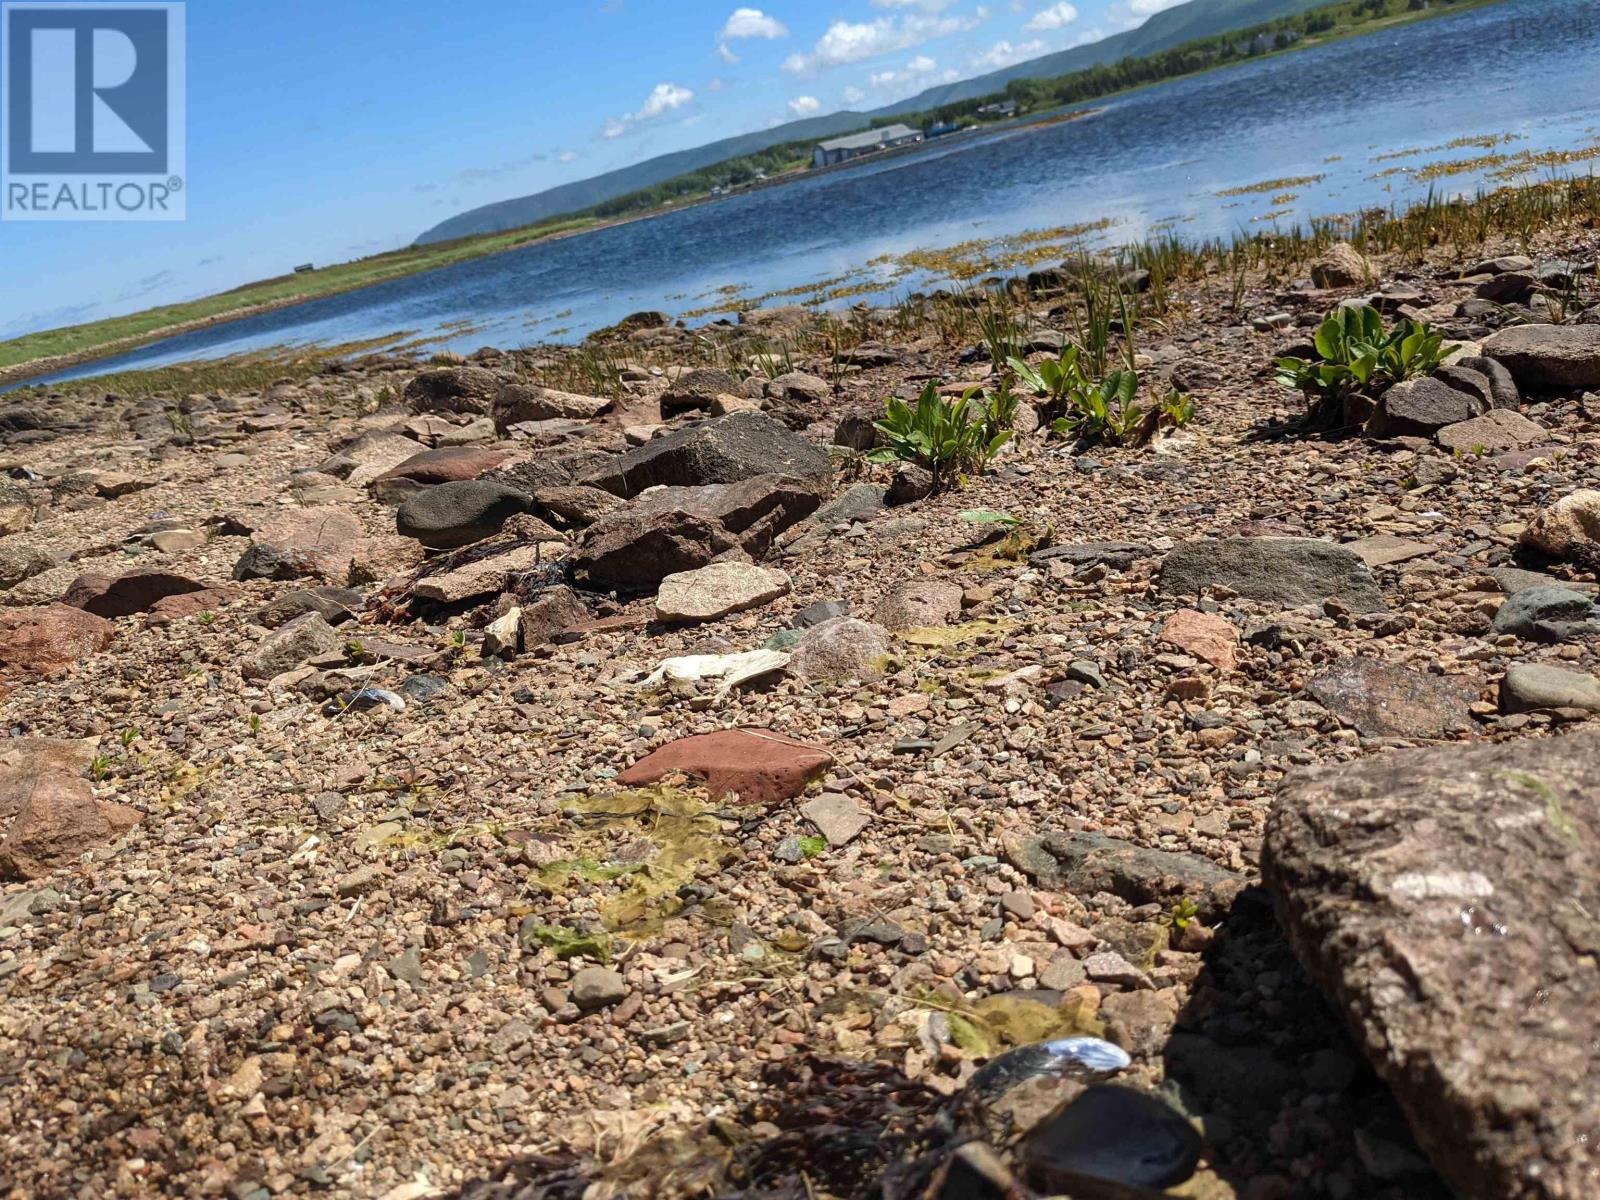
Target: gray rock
x,y
724,450
333,604
697,389
518,402
1444,901
756,509
1286,571
1089,863
1531,687
449,515
920,603
818,612
1494,432
1549,356
844,648
1465,379
910,483
452,389
859,500
718,590
1502,387
1118,556
838,818
598,987
630,550
1422,407
1387,700
288,647
21,563
1551,614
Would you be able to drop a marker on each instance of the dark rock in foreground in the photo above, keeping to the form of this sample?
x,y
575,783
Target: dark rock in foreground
x,y
1088,863
1445,901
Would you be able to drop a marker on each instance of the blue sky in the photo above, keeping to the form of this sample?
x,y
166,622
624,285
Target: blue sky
x,y
323,130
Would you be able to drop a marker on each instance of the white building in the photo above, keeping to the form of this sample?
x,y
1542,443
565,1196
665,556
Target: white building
x,y
843,149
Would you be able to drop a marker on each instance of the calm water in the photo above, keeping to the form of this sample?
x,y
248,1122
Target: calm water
x,y
1154,159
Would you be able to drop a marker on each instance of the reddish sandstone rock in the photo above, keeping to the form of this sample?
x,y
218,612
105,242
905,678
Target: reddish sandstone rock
x,y
316,543
128,593
48,640
451,464
1204,635
761,766
56,819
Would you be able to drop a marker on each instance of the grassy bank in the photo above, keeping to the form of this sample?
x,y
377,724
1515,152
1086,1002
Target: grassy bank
x,y
39,353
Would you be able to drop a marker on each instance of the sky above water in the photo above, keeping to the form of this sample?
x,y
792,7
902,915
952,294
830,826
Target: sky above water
x,y
328,130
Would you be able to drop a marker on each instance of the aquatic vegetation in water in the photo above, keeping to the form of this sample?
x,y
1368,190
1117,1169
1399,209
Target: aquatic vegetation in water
x,y
1273,185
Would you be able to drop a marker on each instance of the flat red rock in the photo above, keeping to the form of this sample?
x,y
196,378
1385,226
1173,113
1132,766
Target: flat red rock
x,y
762,767
1204,635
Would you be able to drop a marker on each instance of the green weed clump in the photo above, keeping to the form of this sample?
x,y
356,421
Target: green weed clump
x,y
1357,356
949,438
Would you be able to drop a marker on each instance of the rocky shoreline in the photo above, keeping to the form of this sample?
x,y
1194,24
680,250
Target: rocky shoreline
x,y
596,772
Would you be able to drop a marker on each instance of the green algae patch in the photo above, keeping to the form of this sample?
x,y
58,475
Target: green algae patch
x,y
565,943
641,847
948,637
998,1023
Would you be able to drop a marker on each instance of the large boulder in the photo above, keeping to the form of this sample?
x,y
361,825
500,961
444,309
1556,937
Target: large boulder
x,y
1533,687
630,550
920,603
449,515
1286,571
308,543
756,509
1445,902
1502,387
1549,614
518,402
453,389
1549,357
1422,407
50,639
1569,529
724,450
128,593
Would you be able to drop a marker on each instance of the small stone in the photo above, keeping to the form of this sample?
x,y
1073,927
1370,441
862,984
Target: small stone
x,y
718,590
836,817
598,987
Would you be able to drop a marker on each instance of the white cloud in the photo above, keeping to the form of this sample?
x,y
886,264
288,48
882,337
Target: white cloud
x,y
854,95
848,42
567,156
1148,8
927,6
920,72
1004,54
1057,16
726,55
805,106
663,99
752,23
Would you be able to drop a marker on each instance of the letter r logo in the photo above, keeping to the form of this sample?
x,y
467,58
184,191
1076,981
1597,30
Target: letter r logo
x,y
86,89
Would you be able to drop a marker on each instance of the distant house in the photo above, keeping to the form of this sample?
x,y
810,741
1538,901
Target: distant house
x,y
305,268
1000,108
843,149
943,128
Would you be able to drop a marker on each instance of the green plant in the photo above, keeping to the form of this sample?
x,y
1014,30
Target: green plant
x,y
100,767
949,438
1054,379
1355,355
206,618
1104,412
128,737
1182,914
1177,409
255,724
1001,336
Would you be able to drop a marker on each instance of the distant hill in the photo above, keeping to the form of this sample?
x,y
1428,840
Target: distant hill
x,y
1172,27
1196,19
